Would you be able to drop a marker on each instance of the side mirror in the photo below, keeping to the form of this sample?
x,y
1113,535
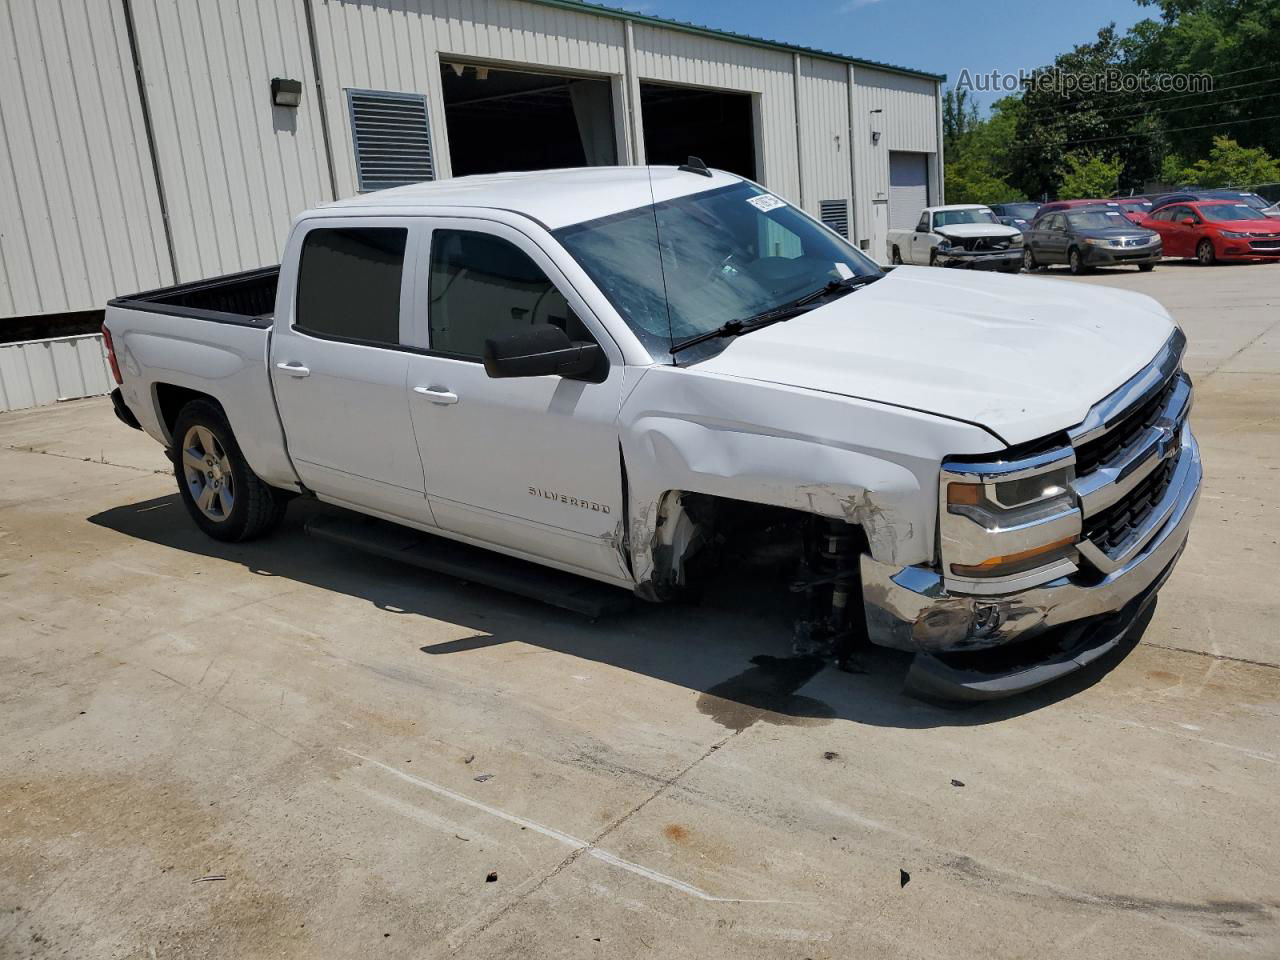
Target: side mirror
x,y
543,350
1188,221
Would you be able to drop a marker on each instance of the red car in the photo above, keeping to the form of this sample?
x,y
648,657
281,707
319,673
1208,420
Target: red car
x,y
1213,230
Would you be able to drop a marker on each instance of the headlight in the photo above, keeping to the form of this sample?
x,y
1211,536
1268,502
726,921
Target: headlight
x,y
944,245
1098,242
1015,241
1005,521
1233,235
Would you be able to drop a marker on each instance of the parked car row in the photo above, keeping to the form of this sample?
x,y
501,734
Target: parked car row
x,y
1207,225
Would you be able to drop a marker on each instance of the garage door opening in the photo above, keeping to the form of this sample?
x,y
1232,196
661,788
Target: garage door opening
x,y
680,122
515,120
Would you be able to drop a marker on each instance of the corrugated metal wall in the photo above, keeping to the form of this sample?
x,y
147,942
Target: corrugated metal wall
x,y
908,120
40,372
79,212
236,169
824,124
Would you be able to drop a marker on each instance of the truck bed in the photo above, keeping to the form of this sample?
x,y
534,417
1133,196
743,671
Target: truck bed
x,y
246,298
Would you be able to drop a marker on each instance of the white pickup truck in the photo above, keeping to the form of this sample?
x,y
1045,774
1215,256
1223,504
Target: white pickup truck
x,y
961,235
640,376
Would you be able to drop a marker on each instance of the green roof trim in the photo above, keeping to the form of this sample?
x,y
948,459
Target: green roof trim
x,y
584,6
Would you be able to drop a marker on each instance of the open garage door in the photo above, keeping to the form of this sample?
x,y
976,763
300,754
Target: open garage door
x,y
908,188
515,120
680,122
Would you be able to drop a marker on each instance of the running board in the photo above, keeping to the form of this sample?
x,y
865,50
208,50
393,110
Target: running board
x,y
472,564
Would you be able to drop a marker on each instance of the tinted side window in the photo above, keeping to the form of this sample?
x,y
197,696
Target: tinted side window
x,y
349,283
483,286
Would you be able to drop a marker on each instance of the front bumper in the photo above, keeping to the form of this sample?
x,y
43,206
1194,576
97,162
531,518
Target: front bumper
x,y
982,259
1122,256
979,647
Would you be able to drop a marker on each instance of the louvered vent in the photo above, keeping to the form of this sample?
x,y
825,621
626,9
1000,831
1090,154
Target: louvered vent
x,y
392,138
835,214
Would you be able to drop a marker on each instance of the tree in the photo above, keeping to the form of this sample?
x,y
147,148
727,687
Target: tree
x,y
1235,41
959,117
977,157
1088,175
1231,165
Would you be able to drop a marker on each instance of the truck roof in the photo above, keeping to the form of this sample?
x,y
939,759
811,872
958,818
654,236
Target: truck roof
x,y
554,198
958,206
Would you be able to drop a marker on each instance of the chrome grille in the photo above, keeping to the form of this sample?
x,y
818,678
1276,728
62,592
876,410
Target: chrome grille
x,y
1111,529
1091,455
1124,472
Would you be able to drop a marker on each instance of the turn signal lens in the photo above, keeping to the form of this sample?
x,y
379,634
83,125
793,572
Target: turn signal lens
x,y
1017,562
964,494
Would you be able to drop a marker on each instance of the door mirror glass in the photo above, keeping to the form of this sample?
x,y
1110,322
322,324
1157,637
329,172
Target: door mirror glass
x,y
543,350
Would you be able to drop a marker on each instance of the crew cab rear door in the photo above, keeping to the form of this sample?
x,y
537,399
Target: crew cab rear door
x,y
338,366
528,464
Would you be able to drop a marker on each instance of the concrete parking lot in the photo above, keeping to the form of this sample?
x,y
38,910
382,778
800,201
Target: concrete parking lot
x,y
283,749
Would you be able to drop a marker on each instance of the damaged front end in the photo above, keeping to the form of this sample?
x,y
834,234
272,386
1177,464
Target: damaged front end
x,y
1049,558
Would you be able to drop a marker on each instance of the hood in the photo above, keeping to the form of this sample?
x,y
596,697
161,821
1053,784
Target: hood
x,y
1021,356
962,231
1261,225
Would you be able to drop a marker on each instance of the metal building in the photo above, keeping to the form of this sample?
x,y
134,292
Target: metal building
x,y
146,142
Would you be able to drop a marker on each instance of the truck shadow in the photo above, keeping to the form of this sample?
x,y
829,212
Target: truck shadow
x,y
733,648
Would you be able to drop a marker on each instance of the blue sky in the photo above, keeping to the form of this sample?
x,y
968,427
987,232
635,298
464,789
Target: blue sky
x,y
933,35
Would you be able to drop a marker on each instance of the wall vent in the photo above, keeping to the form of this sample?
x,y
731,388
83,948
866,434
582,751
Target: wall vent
x,y
392,137
835,214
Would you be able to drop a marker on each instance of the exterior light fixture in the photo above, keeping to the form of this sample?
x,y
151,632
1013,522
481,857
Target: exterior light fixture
x,y
286,93
875,134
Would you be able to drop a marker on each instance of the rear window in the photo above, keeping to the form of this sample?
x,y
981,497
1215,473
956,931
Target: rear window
x,y
349,284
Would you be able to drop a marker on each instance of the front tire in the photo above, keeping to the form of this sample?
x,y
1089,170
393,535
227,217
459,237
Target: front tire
x,y
1146,267
225,498
1206,254
1075,262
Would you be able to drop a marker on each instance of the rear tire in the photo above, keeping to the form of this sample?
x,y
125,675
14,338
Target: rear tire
x,y
896,258
1029,260
225,498
1206,254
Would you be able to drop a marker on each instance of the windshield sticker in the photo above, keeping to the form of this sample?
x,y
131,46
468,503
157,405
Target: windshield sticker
x,y
842,270
765,202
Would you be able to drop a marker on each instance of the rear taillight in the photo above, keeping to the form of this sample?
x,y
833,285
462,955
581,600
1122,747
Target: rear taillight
x,y
111,356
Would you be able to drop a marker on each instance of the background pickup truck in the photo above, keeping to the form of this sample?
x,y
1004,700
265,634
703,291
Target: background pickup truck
x,y
962,235
655,378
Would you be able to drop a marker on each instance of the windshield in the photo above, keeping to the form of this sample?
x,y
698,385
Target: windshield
x,y
726,254
949,218
1244,199
1235,211
1022,211
1098,219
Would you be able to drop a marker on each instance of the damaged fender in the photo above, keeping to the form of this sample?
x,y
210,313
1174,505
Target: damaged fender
x,y
842,457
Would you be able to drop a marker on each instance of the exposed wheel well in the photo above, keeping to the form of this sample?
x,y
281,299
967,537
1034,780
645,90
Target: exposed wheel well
x,y
170,399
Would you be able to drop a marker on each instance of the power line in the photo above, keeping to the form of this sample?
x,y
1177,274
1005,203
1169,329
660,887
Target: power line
x,y
1046,109
1156,133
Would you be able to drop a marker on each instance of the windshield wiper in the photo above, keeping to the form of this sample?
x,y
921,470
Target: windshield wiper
x,y
734,328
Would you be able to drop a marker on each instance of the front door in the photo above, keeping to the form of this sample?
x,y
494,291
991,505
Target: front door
x,y
529,464
338,368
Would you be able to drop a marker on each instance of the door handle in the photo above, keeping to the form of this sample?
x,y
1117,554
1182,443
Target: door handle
x,y
294,369
437,395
